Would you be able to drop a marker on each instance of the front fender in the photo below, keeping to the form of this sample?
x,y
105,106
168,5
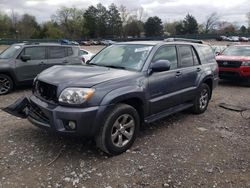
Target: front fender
x,y
124,93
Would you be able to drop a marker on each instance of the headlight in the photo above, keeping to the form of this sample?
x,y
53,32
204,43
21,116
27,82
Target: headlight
x,y
76,95
245,63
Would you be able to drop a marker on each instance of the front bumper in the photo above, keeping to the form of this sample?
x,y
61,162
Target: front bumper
x,y
241,72
56,118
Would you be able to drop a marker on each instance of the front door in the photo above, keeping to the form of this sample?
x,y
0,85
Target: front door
x,y
28,70
164,86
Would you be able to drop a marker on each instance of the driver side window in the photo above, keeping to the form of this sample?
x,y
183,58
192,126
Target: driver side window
x,y
167,53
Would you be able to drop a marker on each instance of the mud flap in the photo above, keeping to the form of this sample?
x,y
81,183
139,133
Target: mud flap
x,y
18,108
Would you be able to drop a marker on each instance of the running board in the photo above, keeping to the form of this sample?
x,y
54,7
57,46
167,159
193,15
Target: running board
x,y
168,112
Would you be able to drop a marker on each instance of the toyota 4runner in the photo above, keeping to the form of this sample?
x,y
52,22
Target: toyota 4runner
x,y
122,87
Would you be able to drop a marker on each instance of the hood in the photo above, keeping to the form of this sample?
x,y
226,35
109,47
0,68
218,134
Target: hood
x,y
81,76
232,58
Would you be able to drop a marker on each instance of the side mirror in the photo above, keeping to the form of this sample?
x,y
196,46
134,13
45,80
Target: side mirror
x,y
25,58
160,66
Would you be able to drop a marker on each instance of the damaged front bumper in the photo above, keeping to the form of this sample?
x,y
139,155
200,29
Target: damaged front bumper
x,y
57,118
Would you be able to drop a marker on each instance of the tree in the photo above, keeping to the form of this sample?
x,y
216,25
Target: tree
x,y
28,27
211,22
5,25
71,21
170,28
179,28
243,29
190,25
90,16
51,30
102,21
248,19
226,27
153,27
114,21
134,28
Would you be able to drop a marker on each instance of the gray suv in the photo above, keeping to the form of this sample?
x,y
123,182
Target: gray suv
x,y
21,63
121,88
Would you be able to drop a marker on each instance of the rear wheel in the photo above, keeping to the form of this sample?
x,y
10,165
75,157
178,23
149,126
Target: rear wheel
x,y
6,84
202,99
119,130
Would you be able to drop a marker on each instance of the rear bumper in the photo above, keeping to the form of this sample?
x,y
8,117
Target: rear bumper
x,y
56,118
241,72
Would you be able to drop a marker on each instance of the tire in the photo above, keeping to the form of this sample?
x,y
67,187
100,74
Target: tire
x,y
6,84
115,124
202,99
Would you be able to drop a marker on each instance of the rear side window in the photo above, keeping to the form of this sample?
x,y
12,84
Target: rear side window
x,y
57,52
69,51
35,53
167,53
206,54
186,56
196,60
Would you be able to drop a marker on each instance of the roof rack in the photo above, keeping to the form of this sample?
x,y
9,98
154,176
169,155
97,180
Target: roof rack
x,y
30,43
183,40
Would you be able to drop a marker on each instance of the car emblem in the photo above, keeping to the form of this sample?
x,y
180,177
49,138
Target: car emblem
x,y
225,63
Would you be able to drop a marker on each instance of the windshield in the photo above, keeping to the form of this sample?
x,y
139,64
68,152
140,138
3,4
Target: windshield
x,y
237,51
9,52
128,56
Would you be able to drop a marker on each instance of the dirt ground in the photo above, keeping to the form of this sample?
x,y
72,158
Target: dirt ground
x,y
184,150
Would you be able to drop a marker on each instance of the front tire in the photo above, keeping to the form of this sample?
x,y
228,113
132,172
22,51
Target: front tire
x,y
202,99
6,84
119,130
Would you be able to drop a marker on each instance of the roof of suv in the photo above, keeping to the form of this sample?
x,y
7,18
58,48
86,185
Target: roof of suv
x,y
153,43
42,44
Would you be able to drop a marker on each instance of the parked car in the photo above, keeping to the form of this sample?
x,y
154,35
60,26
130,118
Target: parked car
x,y
122,87
85,55
244,39
234,63
21,63
107,42
86,43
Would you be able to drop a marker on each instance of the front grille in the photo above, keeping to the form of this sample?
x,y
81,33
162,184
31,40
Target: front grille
x,y
46,91
231,64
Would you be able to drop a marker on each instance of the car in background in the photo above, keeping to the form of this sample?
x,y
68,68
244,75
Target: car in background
x,y
85,55
21,63
66,41
234,63
85,43
107,42
244,39
218,49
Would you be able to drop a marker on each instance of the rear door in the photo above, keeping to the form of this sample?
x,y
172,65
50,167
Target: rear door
x,y
28,70
57,55
190,70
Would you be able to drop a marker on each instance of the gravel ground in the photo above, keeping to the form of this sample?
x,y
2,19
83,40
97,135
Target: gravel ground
x,y
184,150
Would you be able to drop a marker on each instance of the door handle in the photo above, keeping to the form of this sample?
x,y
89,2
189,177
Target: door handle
x,y
178,73
198,69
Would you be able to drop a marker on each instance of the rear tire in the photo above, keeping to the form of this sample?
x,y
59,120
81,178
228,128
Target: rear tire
x,y
202,99
6,84
119,130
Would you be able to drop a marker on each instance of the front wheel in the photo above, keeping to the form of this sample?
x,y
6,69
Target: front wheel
x,y
6,84
202,99
119,130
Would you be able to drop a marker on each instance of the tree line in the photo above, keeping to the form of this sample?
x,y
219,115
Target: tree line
x,y
112,22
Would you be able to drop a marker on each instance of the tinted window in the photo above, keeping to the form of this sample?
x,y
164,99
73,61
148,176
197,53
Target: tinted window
x,y
186,56
70,51
167,53
57,52
35,53
206,54
196,61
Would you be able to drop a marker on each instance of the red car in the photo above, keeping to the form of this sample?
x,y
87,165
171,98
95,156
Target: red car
x,y
234,63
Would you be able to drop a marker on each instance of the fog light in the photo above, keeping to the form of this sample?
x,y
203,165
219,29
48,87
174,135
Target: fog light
x,y
72,125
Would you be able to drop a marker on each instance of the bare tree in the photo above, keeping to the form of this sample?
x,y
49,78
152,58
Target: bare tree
x,y
124,14
211,22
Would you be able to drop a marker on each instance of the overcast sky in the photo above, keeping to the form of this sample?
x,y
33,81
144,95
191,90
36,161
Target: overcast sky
x,y
168,10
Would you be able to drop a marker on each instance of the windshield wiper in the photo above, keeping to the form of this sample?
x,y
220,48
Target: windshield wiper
x,y
115,67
